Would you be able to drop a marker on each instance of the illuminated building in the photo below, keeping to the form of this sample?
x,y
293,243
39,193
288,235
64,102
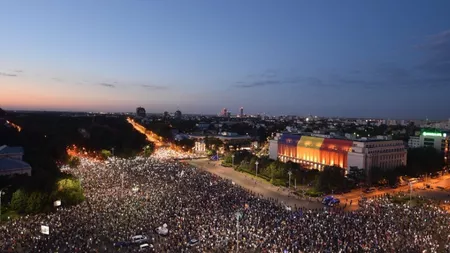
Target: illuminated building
x,y
316,152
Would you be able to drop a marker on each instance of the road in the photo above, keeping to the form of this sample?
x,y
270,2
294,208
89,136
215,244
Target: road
x,y
256,185
149,134
263,187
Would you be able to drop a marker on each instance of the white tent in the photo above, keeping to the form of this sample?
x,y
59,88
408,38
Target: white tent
x,y
45,230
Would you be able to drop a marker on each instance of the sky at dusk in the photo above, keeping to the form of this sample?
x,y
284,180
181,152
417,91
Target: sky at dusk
x,y
329,58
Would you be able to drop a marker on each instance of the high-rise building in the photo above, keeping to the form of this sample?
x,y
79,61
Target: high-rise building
x,y
224,112
178,114
241,112
141,112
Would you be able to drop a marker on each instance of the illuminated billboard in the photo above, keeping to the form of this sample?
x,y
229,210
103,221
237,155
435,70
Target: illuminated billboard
x,y
432,134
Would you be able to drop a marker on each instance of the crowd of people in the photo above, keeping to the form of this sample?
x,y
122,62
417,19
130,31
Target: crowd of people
x,y
173,154
128,197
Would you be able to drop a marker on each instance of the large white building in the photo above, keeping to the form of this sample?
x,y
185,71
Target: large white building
x,y
316,152
384,154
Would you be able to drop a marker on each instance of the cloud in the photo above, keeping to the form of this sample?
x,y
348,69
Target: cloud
x,y
154,87
57,79
437,54
7,74
290,80
109,85
257,84
18,71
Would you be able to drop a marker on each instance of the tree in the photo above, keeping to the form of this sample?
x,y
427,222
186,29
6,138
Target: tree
x,y
106,154
148,150
19,201
376,175
213,143
357,175
332,178
74,162
36,201
69,191
186,144
424,160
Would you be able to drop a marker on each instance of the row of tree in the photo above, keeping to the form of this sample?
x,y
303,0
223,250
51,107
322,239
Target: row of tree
x,y
67,190
331,178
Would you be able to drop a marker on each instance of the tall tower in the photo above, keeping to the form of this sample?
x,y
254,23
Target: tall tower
x,y
224,112
241,112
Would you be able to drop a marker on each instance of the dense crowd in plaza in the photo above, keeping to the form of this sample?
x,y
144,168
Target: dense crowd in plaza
x,y
172,154
135,196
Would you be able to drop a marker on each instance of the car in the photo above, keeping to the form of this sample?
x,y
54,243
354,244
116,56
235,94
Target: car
x,y
145,247
326,200
138,239
193,242
369,190
435,175
334,202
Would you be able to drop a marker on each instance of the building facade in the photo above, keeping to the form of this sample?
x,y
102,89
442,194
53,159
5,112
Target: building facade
x,y
317,152
414,142
11,161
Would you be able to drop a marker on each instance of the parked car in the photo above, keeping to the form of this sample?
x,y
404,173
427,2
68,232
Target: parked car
x,y
138,239
145,247
193,242
369,190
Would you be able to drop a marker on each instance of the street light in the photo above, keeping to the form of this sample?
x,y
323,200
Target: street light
x,y
290,173
232,160
410,191
112,149
256,163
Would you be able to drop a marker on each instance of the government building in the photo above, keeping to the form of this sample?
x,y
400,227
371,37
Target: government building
x,y
315,152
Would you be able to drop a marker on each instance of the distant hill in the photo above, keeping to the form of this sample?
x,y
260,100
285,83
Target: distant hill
x,y
2,113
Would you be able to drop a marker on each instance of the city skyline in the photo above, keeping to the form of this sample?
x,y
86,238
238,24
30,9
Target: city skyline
x,y
348,59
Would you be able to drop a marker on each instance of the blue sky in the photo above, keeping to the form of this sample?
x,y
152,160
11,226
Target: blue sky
x,y
330,58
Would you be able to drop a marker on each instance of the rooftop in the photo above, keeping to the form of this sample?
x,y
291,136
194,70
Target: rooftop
x,y
12,164
10,150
